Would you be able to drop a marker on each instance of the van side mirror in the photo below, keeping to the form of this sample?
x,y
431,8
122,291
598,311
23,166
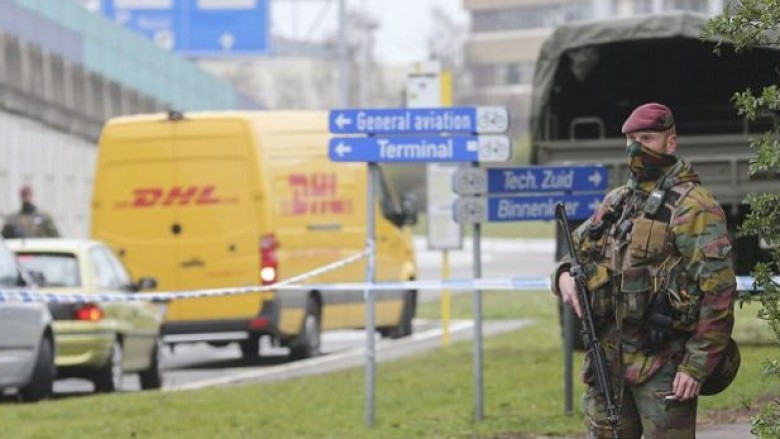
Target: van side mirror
x,y
409,208
145,283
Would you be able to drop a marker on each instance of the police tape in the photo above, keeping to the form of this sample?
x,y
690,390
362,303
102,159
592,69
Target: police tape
x,y
33,295
523,283
488,284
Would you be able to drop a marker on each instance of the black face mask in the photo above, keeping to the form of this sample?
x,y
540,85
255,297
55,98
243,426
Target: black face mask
x,y
647,164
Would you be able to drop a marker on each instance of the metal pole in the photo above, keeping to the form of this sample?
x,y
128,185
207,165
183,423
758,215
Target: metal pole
x,y
568,343
446,300
369,295
478,382
343,52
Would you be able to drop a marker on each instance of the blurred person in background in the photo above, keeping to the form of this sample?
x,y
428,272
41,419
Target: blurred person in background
x,y
29,222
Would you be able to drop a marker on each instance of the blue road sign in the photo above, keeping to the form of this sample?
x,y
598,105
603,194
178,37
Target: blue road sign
x,y
547,179
196,27
469,210
530,179
420,149
457,120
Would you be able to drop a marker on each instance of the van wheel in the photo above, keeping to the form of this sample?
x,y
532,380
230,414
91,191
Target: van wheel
x,y
250,348
41,383
404,328
307,344
152,377
109,377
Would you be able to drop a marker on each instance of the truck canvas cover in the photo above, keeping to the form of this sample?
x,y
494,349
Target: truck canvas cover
x,y
590,75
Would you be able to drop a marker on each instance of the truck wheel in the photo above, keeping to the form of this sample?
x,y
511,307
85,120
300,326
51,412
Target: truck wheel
x,y
404,328
307,344
41,383
109,377
250,348
152,377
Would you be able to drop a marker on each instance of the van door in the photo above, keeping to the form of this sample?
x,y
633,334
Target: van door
x,y
132,209
215,221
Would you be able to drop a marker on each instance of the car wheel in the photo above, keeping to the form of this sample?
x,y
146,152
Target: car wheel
x,y
109,377
308,343
250,348
42,380
152,377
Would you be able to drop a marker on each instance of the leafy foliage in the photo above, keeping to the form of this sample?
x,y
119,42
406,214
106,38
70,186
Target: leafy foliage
x,y
746,24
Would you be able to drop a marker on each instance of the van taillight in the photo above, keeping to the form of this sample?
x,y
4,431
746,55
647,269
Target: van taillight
x,y
89,312
269,265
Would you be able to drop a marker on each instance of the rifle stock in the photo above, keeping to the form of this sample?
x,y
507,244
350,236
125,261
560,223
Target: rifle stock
x,y
588,331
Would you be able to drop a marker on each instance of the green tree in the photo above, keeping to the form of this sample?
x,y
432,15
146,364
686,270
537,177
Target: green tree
x,y
746,24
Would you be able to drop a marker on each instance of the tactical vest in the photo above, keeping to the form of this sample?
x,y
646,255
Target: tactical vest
x,y
635,272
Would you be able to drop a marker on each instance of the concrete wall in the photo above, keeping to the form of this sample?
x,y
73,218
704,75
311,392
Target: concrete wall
x,y
60,168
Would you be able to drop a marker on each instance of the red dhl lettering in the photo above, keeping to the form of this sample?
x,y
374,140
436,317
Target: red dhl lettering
x,y
314,194
175,196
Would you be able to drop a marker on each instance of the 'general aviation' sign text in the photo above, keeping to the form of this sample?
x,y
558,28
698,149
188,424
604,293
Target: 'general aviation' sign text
x,y
456,120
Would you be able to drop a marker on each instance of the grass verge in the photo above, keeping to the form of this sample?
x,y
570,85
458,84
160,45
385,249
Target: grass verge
x,y
428,396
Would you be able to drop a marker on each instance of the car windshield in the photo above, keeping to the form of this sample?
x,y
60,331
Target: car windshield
x,y
58,269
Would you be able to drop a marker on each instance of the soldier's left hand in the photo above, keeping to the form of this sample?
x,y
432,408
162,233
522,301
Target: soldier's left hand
x,y
685,387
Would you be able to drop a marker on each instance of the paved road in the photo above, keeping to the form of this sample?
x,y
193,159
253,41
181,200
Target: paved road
x,y
194,364
199,365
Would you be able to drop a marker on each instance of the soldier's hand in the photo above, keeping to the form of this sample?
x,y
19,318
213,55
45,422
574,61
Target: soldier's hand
x,y
568,288
685,387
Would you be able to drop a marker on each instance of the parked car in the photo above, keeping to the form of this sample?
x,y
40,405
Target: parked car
x,y
26,337
97,341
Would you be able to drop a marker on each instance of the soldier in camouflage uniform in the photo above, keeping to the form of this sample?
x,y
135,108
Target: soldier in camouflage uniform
x,y
29,222
658,259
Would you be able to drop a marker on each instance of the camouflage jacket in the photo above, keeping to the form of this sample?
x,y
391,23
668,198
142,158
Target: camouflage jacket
x,y
643,267
36,224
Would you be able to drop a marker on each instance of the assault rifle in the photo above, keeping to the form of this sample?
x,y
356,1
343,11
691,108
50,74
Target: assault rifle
x,y
598,360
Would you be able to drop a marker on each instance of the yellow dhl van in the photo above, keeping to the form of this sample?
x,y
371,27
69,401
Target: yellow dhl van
x,y
229,199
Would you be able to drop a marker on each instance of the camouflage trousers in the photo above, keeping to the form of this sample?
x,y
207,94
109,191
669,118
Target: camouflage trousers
x,y
643,411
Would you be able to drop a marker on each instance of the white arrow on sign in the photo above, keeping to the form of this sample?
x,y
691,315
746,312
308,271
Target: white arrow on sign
x,y
342,149
227,40
594,205
342,120
595,178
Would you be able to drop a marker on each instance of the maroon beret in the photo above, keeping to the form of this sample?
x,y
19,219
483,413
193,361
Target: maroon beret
x,y
25,191
649,117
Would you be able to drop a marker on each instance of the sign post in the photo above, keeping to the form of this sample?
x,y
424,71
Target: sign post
x,y
427,135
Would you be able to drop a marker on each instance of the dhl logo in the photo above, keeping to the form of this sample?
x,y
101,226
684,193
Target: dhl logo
x,y
174,196
314,194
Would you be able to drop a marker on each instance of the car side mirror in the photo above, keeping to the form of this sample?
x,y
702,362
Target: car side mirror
x,y
145,283
409,207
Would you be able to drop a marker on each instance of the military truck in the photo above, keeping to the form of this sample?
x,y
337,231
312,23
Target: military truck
x,y
590,76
